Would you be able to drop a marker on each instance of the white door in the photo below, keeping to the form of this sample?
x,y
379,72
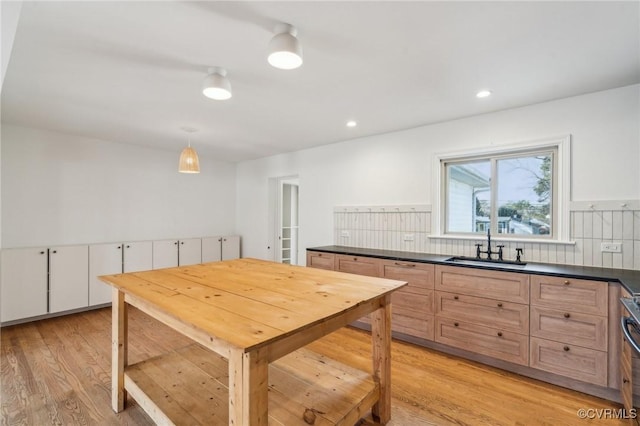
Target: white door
x,y
23,283
211,249
104,259
190,251
68,278
165,254
138,256
230,247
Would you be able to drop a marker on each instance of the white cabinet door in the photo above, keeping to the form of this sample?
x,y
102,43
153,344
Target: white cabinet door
x,y
23,283
138,256
104,259
230,247
68,278
165,254
190,251
211,249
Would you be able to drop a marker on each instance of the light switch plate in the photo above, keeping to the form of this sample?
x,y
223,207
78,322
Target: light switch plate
x,y
611,247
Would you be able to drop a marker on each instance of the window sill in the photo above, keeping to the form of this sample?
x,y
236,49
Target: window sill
x,y
501,239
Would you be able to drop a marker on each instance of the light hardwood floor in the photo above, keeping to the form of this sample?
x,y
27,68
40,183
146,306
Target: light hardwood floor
x,y
57,371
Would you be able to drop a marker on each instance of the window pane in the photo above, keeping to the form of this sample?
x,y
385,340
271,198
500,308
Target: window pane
x,y
524,195
468,196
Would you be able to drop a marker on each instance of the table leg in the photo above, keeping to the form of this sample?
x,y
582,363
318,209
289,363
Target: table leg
x,y
119,342
248,388
381,352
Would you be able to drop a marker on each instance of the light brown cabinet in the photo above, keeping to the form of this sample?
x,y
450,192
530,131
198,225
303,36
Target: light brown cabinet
x,y
485,312
569,328
321,260
564,331
360,265
506,286
412,305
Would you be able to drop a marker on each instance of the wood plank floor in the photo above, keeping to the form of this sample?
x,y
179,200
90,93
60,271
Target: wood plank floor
x,y
57,372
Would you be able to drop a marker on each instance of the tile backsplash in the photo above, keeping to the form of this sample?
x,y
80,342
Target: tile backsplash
x,y
407,228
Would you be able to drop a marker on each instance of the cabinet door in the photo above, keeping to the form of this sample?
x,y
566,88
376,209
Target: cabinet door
x,y
360,265
104,259
211,249
165,254
190,251
68,278
231,247
321,260
138,256
23,289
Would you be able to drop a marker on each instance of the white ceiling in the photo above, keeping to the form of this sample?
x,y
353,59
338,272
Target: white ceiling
x,y
132,71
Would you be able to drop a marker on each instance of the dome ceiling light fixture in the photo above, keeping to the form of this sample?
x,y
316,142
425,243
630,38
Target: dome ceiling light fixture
x,y
285,51
216,84
189,162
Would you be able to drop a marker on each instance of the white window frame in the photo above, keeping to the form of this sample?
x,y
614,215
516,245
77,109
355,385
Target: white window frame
x,y
562,186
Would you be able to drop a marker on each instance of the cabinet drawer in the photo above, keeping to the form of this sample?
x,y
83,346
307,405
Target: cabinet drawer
x,y
505,345
418,327
573,328
477,310
587,365
507,286
419,276
589,297
358,265
419,304
321,260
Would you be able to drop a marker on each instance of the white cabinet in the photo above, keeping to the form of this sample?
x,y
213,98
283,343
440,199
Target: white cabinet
x,y
24,283
220,248
115,258
37,281
172,253
68,278
190,251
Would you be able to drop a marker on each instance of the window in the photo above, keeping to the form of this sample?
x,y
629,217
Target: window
x,y
515,191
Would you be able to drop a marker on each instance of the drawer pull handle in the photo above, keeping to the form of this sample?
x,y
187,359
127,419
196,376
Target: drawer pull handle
x,y
455,297
625,380
566,282
567,315
499,333
455,324
566,348
355,259
499,305
405,265
320,255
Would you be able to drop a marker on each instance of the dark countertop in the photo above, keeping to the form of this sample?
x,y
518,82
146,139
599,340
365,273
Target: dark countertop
x,y
630,279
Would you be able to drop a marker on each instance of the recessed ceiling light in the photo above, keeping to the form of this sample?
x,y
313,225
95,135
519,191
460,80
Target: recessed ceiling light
x,y
483,93
352,123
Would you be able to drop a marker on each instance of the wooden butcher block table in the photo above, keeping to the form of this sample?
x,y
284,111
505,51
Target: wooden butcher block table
x,y
249,319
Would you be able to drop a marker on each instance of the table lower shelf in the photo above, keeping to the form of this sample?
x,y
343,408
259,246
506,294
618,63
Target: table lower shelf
x,y
190,386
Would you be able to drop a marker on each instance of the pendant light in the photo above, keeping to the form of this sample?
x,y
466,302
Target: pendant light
x,y
189,162
285,51
216,84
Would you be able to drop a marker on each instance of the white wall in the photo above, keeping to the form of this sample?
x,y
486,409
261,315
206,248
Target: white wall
x,y
63,189
395,168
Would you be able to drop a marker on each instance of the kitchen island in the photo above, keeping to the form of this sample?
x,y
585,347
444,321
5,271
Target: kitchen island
x,y
250,318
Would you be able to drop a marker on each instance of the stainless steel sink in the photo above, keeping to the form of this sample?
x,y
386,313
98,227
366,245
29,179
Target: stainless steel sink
x,y
508,264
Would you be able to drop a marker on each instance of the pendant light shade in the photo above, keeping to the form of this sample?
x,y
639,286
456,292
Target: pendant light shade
x,y
216,85
285,51
189,162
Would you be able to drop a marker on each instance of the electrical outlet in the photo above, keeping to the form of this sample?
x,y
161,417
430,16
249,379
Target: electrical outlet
x,y
409,237
611,247
344,234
